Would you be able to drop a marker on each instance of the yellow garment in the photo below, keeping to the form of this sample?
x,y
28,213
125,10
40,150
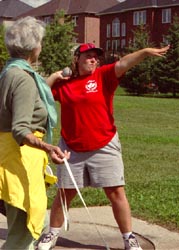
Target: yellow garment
x,y
22,180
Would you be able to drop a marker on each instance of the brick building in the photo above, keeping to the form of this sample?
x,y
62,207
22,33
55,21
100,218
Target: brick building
x,y
119,22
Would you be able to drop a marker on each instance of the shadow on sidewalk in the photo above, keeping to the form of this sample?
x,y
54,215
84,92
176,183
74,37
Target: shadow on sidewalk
x,y
70,244
3,233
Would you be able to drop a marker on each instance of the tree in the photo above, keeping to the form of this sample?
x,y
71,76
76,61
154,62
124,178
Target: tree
x,y
57,44
139,77
3,51
167,74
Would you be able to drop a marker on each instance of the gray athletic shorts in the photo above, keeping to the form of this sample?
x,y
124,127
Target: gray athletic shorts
x,y
99,168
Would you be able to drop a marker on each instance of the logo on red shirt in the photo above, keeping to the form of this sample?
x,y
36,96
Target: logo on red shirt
x,y
91,86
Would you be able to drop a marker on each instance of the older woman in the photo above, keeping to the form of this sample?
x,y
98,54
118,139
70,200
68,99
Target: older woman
x,y
26,113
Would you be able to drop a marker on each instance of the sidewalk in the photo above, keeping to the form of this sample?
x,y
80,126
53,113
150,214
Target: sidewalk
x,y
99,230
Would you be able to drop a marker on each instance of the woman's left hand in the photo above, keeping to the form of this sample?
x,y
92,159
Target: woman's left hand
x,y
57,155
57,76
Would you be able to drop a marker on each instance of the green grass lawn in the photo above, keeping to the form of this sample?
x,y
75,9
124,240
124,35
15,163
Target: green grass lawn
x,y
149,133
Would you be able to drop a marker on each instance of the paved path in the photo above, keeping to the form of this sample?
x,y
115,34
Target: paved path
x,y
94,234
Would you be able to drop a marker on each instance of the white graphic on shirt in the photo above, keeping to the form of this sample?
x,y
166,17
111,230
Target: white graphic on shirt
x,y
91,86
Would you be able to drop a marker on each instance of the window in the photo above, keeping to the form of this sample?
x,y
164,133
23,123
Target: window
x,y
166,16
165,40
123,43
123,29
116,28
75,20
108,30
47,19
75,40
108,45
139,17
115,45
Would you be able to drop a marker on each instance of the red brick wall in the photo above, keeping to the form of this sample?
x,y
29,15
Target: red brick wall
x,y
88,29
92,30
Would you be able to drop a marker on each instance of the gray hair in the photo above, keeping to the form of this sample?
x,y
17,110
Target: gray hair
x,y
23,36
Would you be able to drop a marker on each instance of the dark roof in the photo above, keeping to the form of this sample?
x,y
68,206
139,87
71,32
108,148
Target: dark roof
x,y
89,6
71,7
139,4
13,8
47,9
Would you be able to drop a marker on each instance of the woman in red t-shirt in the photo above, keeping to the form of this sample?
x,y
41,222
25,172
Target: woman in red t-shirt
x,y
89,133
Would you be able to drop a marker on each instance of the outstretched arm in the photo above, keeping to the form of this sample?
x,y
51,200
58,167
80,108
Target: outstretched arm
x,y
130,60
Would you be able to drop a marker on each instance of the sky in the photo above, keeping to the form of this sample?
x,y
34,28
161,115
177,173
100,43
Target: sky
x,y
35,3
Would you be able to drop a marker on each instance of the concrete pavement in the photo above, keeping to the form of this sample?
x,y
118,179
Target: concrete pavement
x,y
100,230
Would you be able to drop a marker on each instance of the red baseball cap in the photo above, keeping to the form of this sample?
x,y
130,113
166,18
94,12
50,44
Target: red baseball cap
x,y
86,47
